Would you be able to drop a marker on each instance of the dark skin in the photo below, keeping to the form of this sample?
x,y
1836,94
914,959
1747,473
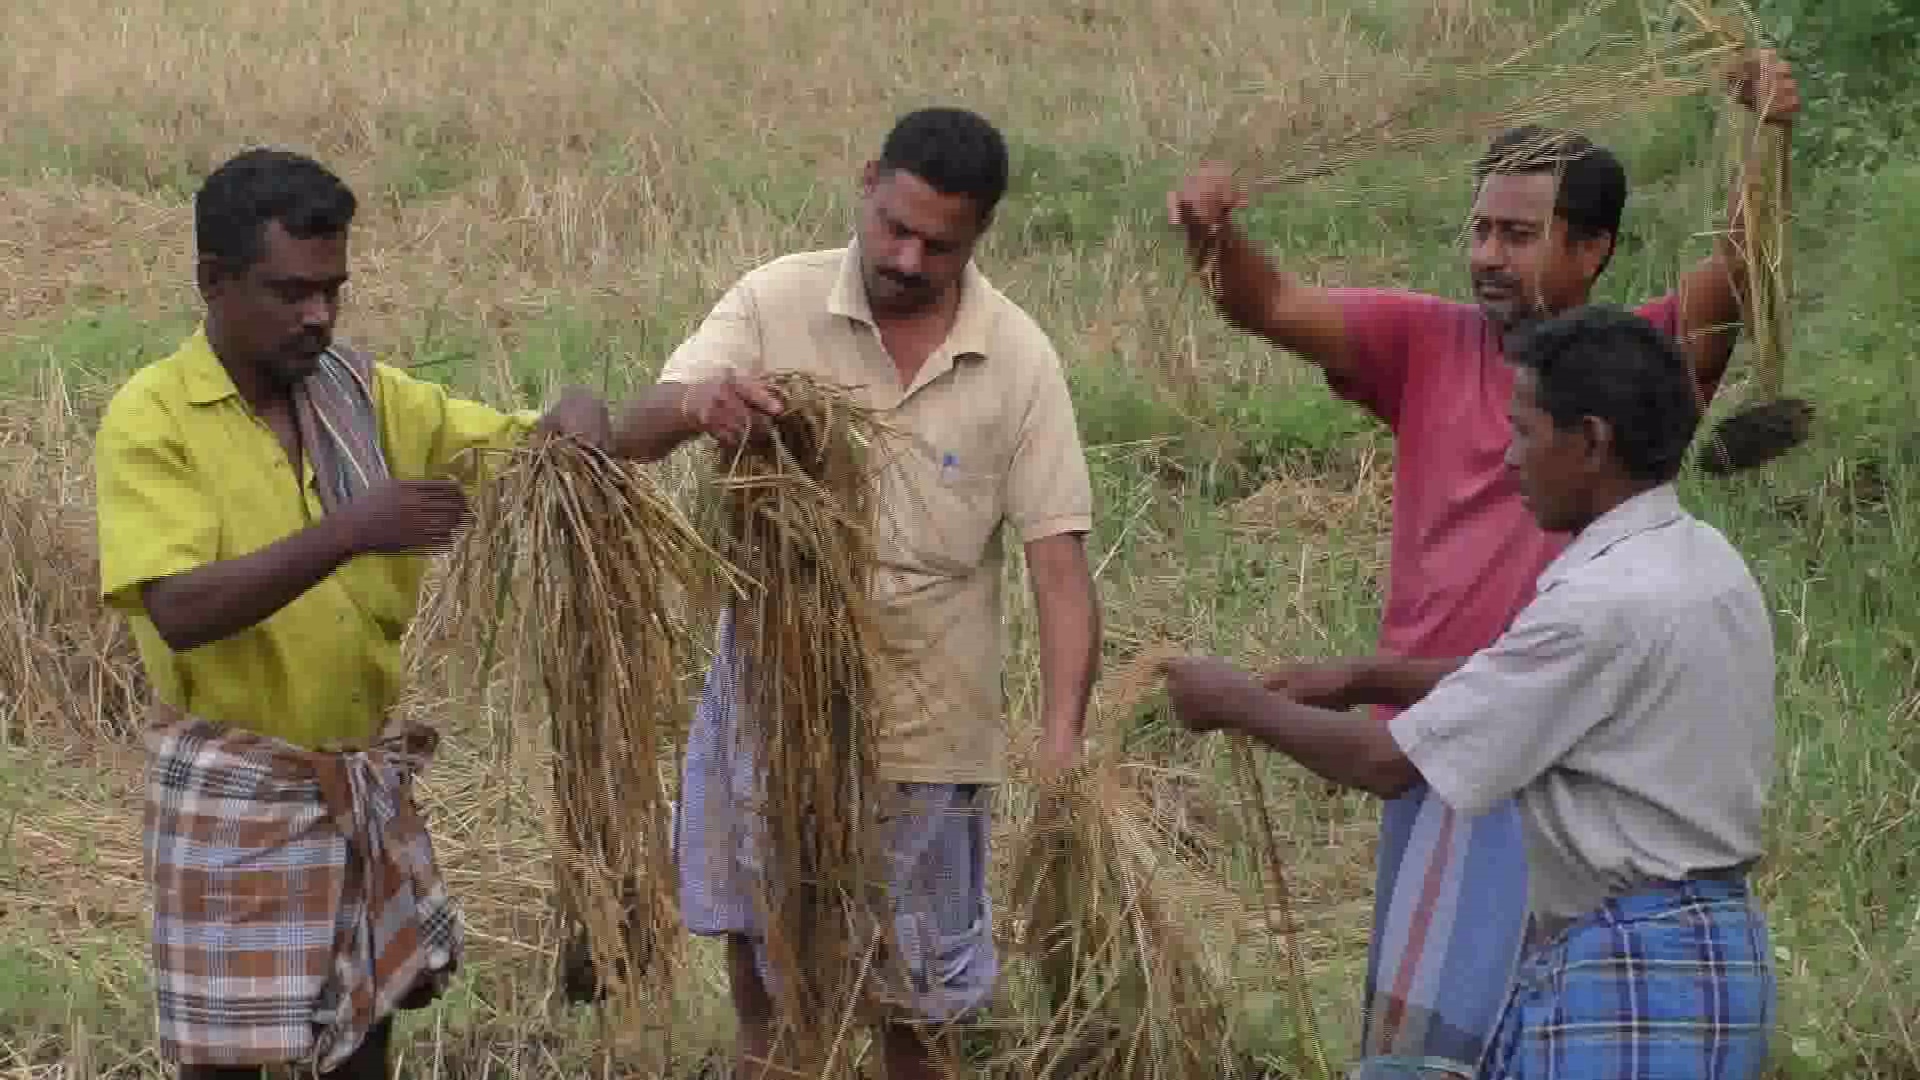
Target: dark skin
x,y
1523,261
915,244
1567,476
268,323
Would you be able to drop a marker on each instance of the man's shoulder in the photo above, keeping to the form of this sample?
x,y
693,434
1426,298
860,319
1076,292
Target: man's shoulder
x,y
1657,572
152,393
810,271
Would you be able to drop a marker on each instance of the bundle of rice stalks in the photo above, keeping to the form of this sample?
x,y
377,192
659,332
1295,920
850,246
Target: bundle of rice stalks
x,y
1774,424
795,517
583,562
1115,927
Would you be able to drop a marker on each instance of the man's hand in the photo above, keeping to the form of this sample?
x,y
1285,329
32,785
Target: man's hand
x,y
1328,684
1203,204
580,415
729,408
1208,693
1059,751
402,517
1763,82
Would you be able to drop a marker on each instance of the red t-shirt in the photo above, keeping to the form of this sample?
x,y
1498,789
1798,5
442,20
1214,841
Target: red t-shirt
x,y
1465,551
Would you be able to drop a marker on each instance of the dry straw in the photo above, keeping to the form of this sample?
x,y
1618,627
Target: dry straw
x,y
582,561
1137,947
1114,927
68,666
795,516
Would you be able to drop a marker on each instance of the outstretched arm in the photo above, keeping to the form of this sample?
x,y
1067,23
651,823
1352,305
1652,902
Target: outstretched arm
x,y
1250,292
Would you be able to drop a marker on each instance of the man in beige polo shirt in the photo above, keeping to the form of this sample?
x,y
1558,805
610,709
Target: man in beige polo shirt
x,y
904,315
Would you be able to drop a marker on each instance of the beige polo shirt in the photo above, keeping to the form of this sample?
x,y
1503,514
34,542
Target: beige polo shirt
x,y
1630,708
990,442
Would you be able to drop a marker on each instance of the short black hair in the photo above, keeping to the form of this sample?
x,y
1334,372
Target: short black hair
x,y
1593,185
1607,362
957,152
232,208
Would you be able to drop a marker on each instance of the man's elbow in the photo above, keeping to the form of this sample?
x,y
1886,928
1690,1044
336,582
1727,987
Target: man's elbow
x,y
1391,776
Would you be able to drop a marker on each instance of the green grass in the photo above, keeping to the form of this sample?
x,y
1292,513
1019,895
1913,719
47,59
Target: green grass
x,y
510,294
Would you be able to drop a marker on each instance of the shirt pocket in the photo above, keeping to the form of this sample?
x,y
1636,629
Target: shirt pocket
x,y
943,509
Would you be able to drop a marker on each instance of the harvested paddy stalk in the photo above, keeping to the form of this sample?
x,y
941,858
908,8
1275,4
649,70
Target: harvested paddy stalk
x,y
1774,424
582,562
795,516
1114,929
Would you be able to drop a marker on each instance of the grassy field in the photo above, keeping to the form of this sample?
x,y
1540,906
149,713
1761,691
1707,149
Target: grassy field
x,y
555,193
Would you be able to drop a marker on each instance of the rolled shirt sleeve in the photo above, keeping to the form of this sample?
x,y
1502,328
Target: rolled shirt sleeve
x,y
1517,707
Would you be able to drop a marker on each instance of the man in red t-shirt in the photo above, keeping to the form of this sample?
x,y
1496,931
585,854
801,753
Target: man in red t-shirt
x,y
1451,898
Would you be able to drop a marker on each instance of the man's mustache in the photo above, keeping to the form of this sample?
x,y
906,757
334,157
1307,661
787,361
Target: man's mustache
x,y
909,281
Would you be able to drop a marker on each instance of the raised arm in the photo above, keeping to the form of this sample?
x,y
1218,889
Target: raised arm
x,y
1713,295
1250,292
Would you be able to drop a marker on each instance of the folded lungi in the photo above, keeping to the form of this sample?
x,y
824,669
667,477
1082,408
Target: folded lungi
x,y
296,898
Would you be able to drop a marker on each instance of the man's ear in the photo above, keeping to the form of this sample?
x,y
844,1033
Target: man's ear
x,y
869,177
1594,253
210,276
1596,437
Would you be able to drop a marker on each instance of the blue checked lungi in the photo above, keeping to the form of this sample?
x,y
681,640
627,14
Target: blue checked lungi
x,y
1667,983
936,836
1449,920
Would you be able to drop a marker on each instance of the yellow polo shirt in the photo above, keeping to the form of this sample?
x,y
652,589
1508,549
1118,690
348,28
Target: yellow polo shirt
x,y
187,474
992,444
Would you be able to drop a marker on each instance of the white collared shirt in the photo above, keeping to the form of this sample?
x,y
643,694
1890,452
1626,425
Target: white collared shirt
x,y
1629,708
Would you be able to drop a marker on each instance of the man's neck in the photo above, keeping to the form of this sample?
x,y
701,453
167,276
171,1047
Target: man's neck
x,y
262,394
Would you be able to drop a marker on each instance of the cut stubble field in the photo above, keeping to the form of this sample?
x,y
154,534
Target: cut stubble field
x,y
554,194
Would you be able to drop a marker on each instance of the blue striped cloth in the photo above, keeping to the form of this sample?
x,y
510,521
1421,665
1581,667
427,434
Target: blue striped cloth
x,y
1450,915
1670,983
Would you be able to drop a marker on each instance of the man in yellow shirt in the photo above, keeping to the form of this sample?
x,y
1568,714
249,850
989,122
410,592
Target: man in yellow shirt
x,y
266,497
903,315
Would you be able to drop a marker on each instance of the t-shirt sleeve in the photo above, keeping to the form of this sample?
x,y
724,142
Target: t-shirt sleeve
x,y
1048,490
154,515
1518,706
1382,328
728,339
1664,313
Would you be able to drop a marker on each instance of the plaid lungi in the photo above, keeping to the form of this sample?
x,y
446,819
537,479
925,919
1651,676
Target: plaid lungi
x,y
1667,983
936,847
296,900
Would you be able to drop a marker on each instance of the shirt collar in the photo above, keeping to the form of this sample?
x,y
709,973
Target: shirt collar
x,y
848,299
206,377
1651,509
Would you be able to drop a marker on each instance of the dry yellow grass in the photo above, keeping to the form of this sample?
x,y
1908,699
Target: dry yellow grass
x,y
580,158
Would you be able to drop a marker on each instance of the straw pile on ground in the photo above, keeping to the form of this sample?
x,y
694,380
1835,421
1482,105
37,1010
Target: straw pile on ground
x,y
582,561
794,515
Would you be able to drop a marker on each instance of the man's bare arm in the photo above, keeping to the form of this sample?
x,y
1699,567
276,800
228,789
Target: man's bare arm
x,y
220,599
1068,606
1250,292
664,416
